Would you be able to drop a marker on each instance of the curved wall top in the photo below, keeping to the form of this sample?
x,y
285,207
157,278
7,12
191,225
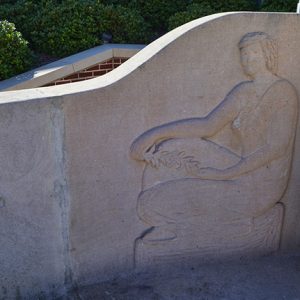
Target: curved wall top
x,y
55,71
138,60
75,205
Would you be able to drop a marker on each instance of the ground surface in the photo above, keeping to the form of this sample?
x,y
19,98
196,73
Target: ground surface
x,y
275,277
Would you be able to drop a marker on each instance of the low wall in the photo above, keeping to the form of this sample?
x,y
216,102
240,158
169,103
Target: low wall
x,y
78,206
91,72
84,65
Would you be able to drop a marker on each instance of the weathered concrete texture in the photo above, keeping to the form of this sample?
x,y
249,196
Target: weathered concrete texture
x,y
269,278
33,255
77,183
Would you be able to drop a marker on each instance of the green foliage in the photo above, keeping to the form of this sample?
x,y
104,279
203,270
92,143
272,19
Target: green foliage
x,y
22,14
116,2
126,25
201,8
194,11
157,13
8,1
61,28
233,5
15,56
280,5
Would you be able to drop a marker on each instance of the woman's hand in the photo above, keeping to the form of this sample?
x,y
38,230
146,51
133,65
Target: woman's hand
x,y
151,157
139,148
146,154
144,145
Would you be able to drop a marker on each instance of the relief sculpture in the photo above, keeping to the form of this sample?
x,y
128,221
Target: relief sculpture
x,y
212,186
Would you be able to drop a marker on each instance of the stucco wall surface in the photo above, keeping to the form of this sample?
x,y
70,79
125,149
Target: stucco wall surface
x,y
69,187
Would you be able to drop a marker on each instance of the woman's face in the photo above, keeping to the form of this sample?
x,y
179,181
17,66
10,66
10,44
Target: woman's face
x,y
252,59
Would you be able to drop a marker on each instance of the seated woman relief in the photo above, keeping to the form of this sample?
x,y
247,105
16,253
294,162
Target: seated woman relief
x,y
212,186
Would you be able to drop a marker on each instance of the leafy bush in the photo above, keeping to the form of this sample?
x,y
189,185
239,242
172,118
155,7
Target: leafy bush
x,y
125,3
125,24
201,8
22,14
194,11
8,1
280,5
157,13
15,55
233,5
61,28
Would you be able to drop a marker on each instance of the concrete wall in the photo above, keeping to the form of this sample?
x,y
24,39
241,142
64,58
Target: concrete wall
x,y
68,185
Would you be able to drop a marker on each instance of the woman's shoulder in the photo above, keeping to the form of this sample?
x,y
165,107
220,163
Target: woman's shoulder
x,y
247,84
282,88
281,93
282,82
241,89
278,83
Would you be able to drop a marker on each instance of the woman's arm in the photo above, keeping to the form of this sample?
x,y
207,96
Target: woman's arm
x,y
279,139
205,127
248,164
194,127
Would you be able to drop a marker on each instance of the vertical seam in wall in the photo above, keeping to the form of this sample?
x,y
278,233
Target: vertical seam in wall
x,y
74,71
62,189
113,52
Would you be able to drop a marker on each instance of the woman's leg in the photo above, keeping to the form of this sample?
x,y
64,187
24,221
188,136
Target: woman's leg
x,y
189,201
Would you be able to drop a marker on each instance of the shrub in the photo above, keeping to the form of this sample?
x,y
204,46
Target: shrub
x,y
201,8
280,5
125,24
15,55
194,11
233,5
124,3
8,1
22,13
157,13
61,28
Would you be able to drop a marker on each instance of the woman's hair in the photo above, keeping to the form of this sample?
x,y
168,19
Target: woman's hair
x,y
268,46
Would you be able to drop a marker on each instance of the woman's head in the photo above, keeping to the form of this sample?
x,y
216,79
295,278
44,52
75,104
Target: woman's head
x,y
261,45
